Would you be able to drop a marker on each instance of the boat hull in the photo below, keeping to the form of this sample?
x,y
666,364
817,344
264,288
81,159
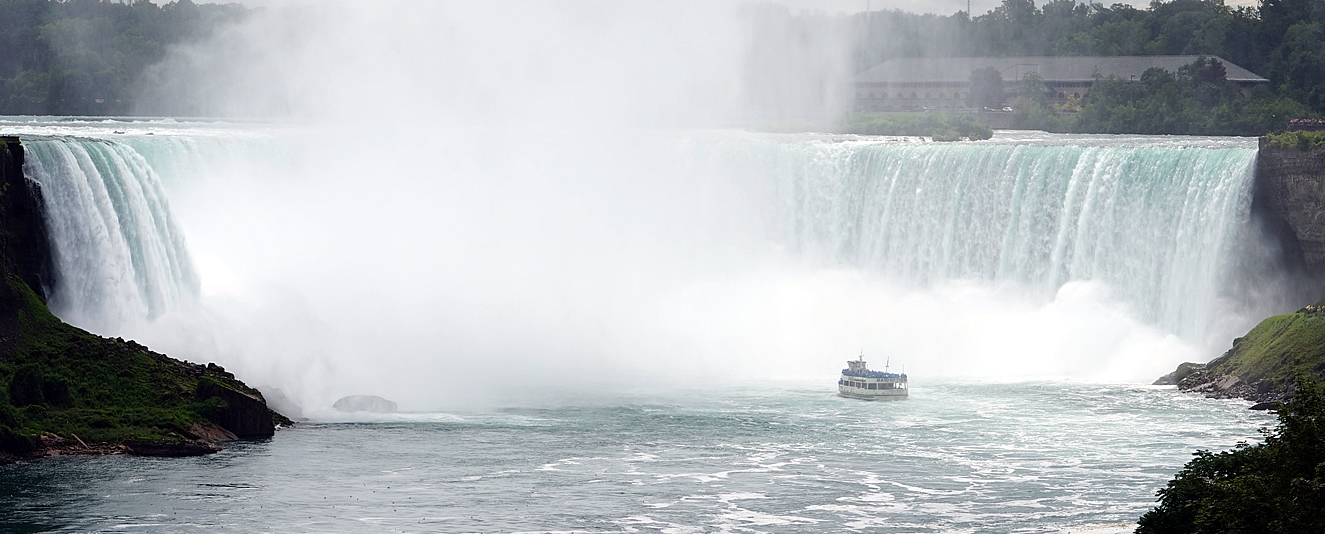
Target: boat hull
x,y
888,395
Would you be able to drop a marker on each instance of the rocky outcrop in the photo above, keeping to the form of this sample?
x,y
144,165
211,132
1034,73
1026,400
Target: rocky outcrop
x,y
243,414
364,403
24,245
1183,370
1262,366
1290,198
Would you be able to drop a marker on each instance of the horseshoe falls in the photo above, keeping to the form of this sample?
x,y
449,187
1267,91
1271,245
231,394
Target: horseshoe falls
x,y
666,314
691,256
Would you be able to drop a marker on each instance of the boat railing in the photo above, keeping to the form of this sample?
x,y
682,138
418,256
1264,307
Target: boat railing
x,y
872,374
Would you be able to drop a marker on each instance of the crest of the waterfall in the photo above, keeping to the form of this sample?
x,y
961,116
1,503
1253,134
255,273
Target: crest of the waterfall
x,y
1157,223
119,253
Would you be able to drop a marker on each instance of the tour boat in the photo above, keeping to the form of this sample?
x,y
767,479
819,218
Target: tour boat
x,y
858,382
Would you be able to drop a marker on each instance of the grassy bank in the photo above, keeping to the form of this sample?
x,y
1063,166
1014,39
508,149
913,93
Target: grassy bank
x,y
57,380
1278,349
1301,140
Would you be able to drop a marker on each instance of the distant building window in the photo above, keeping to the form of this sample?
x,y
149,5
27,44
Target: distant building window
x,y
926,95
871,95
942,96
1076,95
913,95
899,95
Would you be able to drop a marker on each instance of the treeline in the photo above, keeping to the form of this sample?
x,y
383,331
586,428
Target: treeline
x,y
1281,40
87,57
1198,99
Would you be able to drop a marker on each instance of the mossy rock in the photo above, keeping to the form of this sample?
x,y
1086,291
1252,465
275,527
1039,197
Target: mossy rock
x,y
56,378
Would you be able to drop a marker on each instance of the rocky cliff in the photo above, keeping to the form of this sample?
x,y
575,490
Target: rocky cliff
x,y
1290,197
24,245
64,390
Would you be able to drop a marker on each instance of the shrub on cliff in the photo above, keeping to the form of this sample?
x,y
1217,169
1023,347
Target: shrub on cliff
x,y
938,126
1301,140
1275,486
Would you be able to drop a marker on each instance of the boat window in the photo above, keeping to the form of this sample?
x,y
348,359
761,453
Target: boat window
x,y
872,386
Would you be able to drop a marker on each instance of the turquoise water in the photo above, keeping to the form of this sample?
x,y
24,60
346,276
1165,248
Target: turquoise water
x,y
956,457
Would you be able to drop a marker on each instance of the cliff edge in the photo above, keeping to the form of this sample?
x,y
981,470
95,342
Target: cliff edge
x,y
1290,197
66,391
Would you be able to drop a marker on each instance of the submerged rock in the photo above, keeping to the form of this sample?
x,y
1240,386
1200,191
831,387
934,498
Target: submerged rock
x,y
364,403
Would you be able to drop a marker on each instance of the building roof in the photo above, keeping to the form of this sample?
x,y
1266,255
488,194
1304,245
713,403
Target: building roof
x,y
1050,68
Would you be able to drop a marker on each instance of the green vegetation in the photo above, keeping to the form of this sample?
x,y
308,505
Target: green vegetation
x,y
1274,487
1196,100
939,126
59,379
1278,349
87,57
1282,40
1301,140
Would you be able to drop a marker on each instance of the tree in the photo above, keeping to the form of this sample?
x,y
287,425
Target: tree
x,y
986,88
1273,487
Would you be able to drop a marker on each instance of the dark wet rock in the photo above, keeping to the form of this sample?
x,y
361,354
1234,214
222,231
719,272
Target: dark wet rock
x,y
364,403
241,413
1266,406
167,448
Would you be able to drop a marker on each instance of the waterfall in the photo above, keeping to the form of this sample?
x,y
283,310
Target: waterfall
x,y
119,254
1156,220
1155,225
